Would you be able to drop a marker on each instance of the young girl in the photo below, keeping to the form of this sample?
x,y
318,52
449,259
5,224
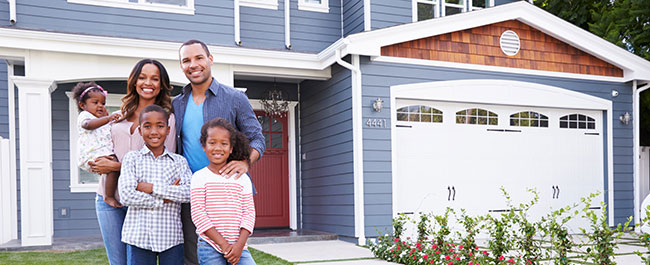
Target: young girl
x,y
222,208
94,134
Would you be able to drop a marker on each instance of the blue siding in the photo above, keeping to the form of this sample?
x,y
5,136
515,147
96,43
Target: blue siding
x,y
353,21
388,13
213,23
327,179
377,79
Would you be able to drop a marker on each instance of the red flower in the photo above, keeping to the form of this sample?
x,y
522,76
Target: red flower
x,y
511,261
447,257
457,258
431,261
471,253
434,246
501,258
486,253
418,244
426,256
460,246
398,247
476,248
471,263
451,249
451,263
437,251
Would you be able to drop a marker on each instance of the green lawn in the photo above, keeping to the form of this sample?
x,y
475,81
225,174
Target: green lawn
x,y
98,256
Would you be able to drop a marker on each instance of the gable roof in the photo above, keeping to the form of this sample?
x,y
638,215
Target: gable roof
x,y
370,43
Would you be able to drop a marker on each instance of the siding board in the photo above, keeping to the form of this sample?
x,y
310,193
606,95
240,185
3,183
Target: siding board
x,y
326,142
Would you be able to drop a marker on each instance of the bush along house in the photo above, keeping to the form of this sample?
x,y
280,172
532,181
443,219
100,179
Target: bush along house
x,y
392,106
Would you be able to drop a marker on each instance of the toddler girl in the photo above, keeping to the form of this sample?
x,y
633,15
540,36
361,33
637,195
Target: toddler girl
x,y
222,208
94,134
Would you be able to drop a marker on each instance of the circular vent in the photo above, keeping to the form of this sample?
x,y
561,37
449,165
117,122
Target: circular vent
x,y
509,43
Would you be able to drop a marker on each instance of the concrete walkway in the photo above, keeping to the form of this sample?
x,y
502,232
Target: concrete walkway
x,y
329,252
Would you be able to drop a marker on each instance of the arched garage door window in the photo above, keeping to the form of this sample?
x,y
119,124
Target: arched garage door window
x,y
529,119
577,121
419,113
477,116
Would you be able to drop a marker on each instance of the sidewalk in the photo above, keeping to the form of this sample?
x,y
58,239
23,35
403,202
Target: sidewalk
x,y
329,252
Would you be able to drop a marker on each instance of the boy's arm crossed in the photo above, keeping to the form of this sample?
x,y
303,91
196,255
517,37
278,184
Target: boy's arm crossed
x,y
177,192
127,184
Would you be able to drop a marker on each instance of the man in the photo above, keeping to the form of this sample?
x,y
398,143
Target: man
x,y
202,100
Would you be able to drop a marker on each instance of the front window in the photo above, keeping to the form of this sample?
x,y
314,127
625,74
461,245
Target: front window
x,y
314,5
81,180
428,9
171,6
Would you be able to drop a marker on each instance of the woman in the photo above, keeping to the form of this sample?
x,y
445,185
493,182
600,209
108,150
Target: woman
x,y
148,84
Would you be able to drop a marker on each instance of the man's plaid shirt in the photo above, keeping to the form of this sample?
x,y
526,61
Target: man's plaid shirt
x,y
150,222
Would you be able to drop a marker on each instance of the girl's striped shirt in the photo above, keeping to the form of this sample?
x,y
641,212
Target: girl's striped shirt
x,y
223,203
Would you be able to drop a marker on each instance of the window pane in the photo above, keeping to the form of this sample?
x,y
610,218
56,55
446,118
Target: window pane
x,y
414,117
169,2
86,177
573,124
482,120
276,140
460,119
402,117
582,125
403,109
276,125
494,121
313,1
563,124
437,118
591,125
534,123
264,122
480,3
458,2
452,11
514,122
267,139
472,120
524,123
425,11
425,109
426,118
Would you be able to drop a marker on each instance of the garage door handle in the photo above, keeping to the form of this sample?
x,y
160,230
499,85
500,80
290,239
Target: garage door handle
x,y
592,133
403,126
558,192
453,198
448,193
554,191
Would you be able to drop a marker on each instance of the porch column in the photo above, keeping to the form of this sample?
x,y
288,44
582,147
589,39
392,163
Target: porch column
x,y
35,121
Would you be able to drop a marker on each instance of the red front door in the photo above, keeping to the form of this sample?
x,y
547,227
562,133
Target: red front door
x,y
271,174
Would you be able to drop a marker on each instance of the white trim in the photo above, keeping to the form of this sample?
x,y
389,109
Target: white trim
x,y
500,69
357,135
266,4
637,145
504,92
370,43
36,194
323,7
11,100
293,210
114,100
367,16
141,5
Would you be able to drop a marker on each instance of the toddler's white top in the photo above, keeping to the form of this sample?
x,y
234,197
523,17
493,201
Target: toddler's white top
x,y
92,144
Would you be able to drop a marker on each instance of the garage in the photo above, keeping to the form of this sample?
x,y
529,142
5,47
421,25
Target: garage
x,y
454,153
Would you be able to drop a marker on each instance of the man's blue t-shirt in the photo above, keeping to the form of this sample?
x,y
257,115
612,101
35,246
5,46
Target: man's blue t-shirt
x,y
192,149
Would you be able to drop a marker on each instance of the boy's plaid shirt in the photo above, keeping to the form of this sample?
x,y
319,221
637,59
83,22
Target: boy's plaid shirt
x,y
150,222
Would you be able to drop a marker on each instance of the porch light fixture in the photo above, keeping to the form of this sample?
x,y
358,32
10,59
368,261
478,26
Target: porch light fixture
x,y
274,104
378,104
625,118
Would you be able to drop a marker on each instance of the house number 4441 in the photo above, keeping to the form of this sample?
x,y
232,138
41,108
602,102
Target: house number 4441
x,y
376,123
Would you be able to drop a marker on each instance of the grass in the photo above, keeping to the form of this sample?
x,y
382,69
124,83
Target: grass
x,y
98,256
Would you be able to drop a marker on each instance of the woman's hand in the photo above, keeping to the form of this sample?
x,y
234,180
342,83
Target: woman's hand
x,y
104,165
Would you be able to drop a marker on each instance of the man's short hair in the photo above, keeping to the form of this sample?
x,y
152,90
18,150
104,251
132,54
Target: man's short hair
x,y
190,42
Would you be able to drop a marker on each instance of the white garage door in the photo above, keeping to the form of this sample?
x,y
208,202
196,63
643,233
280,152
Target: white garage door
x,y
460,154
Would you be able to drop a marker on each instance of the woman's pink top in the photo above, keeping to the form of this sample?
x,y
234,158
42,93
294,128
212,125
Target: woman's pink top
x,y
124,141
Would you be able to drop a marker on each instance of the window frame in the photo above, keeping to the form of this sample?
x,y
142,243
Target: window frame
x,y
140,5
323,7
266,4
113,100
440,5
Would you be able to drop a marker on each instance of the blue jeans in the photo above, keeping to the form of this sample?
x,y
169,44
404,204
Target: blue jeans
x,y
210,256
110,223
139,256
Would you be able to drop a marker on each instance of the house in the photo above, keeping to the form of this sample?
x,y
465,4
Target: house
x,y
395,106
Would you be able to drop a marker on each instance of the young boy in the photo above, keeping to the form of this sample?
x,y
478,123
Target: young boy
x,y
154,183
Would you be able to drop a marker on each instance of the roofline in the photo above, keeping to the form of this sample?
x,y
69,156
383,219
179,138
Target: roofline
x,y
370,43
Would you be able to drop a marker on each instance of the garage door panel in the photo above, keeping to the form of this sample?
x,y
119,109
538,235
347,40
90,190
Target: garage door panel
x,y
477,160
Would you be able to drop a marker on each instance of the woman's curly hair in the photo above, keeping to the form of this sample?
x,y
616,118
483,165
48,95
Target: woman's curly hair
x,y
241,149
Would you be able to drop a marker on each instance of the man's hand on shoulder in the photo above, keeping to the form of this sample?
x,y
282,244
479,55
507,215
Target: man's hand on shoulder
x,y
235,169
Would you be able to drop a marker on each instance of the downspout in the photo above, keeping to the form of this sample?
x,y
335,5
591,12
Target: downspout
x,y
237,36
287,24
366,15
637,144
357,141
12,11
